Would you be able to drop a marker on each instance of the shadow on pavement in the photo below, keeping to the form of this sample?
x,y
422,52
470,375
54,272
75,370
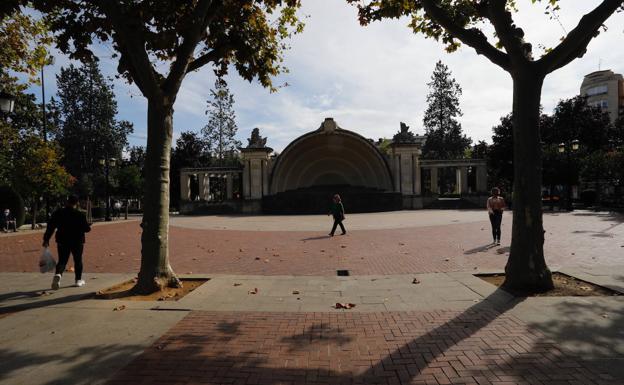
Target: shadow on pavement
x,y
44,303
83,366
479,345
480,249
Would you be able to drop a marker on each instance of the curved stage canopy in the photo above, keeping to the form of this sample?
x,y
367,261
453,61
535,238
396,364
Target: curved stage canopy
x,y
330,156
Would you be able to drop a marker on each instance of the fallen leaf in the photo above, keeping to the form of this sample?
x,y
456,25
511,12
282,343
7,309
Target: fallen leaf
x,y
276,255
322,251
194,259
43,293
212,250
343,246
295,291
415,281
266,260
237,284
71,269
585,288
401,244
605,315
257,258
447,259
344,305
119,308
254,291
241,250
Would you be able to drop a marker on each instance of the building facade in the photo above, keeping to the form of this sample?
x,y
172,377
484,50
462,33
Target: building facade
x,y
330,160
605,89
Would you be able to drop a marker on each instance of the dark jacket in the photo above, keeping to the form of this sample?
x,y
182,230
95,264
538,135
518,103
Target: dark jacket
x,y
70,225
337,211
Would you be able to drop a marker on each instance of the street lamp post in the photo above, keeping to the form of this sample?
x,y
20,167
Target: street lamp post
x,y
567,149
107,163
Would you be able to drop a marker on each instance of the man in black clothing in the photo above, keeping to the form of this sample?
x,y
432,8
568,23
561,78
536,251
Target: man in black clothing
x,y
71,226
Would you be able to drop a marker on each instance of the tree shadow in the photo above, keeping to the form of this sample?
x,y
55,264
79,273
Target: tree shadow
x,y
23,295
315,334
81,366
44,303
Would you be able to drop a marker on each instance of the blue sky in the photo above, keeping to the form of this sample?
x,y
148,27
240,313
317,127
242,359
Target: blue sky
x,y
370,78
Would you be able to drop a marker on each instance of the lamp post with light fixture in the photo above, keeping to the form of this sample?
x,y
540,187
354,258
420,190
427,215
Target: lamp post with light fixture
x,y
568,148
107,163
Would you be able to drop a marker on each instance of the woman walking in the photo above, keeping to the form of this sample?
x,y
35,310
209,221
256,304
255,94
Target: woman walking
x,y
337,211
495,207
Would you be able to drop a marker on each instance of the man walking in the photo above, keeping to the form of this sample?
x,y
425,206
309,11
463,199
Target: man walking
x,y
495,207
337,211
71,226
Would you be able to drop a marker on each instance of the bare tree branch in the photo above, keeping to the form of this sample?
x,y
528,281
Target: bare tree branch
x,y
192,36
575,44
206,58
510,36
472,37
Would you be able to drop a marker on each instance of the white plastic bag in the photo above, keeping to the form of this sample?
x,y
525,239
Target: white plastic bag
x,y
46,261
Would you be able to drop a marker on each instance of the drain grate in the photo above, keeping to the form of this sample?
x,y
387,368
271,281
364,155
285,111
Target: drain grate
x,y
342,273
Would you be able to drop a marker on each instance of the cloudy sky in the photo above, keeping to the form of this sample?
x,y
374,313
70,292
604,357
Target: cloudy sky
x,y
371,78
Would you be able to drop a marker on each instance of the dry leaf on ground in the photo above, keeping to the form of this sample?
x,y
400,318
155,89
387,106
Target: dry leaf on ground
x,y
119,308
295,291
254,291
237,284
344,305
415,281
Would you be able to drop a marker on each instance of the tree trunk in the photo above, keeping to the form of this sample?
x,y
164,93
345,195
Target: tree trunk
x,y
526,269
156,272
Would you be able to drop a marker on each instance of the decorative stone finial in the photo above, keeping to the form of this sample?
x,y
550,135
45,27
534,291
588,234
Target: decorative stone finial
x,y
329,125
256,141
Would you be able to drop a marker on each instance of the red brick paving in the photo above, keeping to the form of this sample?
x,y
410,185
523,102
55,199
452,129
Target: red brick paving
x,y
115,248
477,347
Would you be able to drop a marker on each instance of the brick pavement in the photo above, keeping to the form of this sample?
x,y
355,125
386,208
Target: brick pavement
x,y
577,239
478,347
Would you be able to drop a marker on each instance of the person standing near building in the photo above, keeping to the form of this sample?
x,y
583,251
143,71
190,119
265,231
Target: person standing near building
x,y
70,225
8,221
337,211
495,207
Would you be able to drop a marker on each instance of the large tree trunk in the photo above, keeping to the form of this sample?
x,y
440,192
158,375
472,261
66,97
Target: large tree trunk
x,y
156,272
526,269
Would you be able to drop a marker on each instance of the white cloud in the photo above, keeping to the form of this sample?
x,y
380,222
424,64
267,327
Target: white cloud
x,y
371,78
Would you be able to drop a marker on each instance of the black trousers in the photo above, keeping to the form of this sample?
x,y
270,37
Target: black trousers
x,y
495,219
336,223
63,252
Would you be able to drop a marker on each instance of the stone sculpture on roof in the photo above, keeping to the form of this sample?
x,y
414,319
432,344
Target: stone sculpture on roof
x,y
405,136
256,141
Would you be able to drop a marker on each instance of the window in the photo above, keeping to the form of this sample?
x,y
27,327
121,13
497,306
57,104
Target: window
x,y
604,104
599,90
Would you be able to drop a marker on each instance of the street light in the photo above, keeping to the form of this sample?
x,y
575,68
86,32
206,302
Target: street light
x,y
107,163
568,148
7,102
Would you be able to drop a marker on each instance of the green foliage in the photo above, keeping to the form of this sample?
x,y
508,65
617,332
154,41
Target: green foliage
x,y
129,182
10,199
86,112
25,42
219,134
37,169
444,133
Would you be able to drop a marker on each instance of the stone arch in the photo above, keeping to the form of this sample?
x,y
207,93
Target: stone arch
x,y
330,157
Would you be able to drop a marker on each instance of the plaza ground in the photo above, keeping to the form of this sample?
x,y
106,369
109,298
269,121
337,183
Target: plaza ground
x,y
450,328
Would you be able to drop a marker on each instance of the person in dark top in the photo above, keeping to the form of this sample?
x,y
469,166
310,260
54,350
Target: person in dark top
x,y
71,226
337,211
8,221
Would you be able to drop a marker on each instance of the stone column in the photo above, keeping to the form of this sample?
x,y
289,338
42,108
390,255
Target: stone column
x,y
229,186
434,180
204,186
464,180
185,186
481,178
458,180
417,178
406,168
255,173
